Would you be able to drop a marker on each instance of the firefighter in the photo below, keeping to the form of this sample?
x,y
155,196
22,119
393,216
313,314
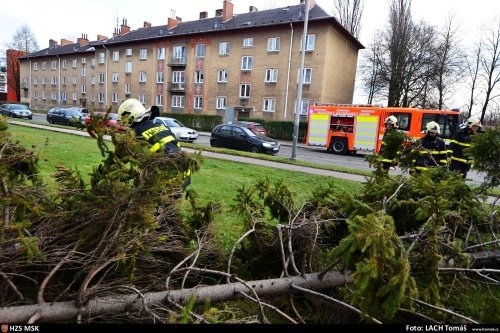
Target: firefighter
x,y
133,114
460,140
431,149
389,156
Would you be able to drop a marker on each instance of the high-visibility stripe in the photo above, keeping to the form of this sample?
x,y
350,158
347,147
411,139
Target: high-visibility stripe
x,y
463,160
443,161
421,168
365,142
161,143
387,160
433,152
318,131
461,143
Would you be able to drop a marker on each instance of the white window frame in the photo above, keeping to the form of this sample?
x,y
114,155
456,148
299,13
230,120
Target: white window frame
x,y
273,44
114,77
74,63
221,102
114,97
92,80
198,102
245,90
178,77
306,79
102,57
143,54
44,95
199,76
53,64
74,96
178,101
159,100
200,50
102,78
142,98
63,96
128,88
128,67
160,77
84,61
161,53
310,41
304,107
116,56
84,71
64,64
53,96
84,89
178,52
53,80
44,66
269,105
64,80
248,42
224,48
74,80
142,77
271,75
246,63
101,97
222,75
128,52
35,81
92,62
44,80
35,66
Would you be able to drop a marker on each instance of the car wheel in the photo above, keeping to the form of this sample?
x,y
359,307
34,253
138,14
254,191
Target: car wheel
x,y
67,122
254,149
214,143
338,146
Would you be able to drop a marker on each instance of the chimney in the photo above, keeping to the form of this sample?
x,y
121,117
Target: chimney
x,y
178,19
116,32
203,15
124,28
83,40
101,37
65,42
52,43
253,9
172,23
227,10
147,24
218,12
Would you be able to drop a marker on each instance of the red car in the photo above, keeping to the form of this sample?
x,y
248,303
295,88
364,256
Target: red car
x,y
112,120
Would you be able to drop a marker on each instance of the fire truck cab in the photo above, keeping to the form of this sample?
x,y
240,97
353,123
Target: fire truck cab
x,y
359,129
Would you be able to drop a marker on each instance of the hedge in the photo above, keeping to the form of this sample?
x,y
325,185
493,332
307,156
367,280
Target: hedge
x,y
204,123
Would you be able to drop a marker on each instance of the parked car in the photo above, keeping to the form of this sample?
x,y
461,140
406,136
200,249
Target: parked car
x,y
84,111
181,132
240,137
69,117
16,111
254,127
112,120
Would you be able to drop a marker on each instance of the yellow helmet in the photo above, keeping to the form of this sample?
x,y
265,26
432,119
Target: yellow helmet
x,y
432,127
132,111
391,120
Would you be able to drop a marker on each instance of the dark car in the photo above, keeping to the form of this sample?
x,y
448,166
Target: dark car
x,y
16,111
254,127
69,117
239,137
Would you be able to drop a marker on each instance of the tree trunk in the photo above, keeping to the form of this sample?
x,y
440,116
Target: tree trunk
x,y
64,311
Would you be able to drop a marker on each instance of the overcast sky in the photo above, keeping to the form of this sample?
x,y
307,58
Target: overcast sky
x,y
56,19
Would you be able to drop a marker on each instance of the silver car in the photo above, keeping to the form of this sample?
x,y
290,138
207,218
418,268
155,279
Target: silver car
x,y
16,111
181,132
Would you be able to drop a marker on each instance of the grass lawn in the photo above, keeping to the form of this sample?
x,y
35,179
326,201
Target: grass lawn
x,y
217,180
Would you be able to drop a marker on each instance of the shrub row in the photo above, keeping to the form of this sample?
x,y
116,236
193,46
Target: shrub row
x,y
204,123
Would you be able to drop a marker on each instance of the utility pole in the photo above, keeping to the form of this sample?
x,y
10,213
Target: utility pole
x,y
298,105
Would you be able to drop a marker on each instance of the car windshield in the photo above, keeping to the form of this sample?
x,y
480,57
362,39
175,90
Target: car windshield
x,y
173,123
19,107
74,113
112,116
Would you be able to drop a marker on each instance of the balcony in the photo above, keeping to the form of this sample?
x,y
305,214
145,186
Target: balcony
x,y
177,62
176,87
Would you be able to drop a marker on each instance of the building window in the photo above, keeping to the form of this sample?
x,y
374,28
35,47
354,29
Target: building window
x,y
75,63
44,95
114,77
159,77
64,80
44,80
128,52
224,48
116,56
159,100
198,102
142,98
74,96
92,62
220,102
271,75
74,80
128,67
222,76
273,44
84,89
63,96
92,97
304,106
177,101
248,42
84,71
54,64
310,40
84,61
269,105
161,53
101,97
53,96
35,94
306,75
102,57
142,77
178,52
92,80
101,77
246,63
53,80
200,50
35,66
114,97
198,76
44,66
178,77
35,81
244,91
143,54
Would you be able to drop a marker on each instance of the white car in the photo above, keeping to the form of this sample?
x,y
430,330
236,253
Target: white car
x,y
181,132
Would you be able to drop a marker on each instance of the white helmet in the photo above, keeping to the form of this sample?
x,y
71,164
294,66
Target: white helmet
x,y
432,127
132,111
391,120
473,121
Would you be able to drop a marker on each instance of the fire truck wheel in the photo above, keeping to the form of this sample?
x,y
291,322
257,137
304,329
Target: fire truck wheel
x,y
339,146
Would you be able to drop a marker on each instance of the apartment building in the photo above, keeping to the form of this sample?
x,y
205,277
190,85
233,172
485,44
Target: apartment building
x,y
248,61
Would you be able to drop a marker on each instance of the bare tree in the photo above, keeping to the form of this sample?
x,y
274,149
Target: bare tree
x,y
371,69
349,13
490,63
23,40
473,64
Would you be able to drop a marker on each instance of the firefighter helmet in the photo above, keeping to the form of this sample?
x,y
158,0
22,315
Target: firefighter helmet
x,y
132,111
432,127
391,120
473,121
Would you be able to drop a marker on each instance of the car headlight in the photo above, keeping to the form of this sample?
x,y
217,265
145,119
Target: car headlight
x,y
267,145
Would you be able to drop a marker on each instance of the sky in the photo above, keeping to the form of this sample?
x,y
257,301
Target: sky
x,y
56,19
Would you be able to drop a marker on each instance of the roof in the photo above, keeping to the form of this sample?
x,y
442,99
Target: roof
x,y
266,18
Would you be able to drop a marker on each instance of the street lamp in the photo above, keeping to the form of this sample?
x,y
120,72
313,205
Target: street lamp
x,y
298,105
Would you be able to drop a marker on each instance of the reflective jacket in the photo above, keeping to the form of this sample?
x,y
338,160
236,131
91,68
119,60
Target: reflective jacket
x,y
432,153
460,141
158,136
